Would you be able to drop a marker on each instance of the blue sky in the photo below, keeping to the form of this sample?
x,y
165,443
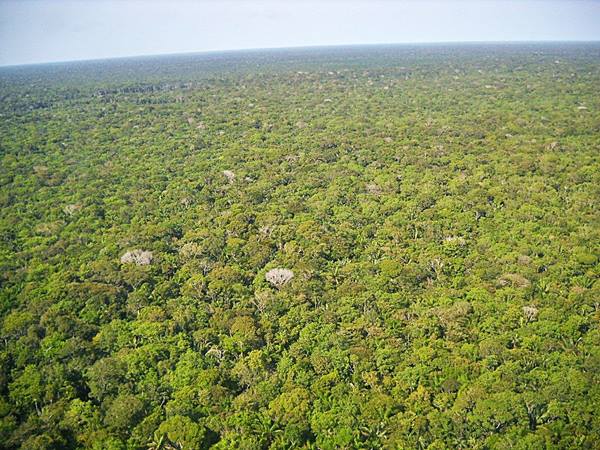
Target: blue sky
x,y
33,31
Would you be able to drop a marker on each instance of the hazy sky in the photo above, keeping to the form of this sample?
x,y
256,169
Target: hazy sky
x,y
58,30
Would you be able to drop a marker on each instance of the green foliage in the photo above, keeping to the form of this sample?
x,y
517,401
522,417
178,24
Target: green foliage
x,y
436,205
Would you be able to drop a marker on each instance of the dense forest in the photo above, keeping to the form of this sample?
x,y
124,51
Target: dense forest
x,y
365,247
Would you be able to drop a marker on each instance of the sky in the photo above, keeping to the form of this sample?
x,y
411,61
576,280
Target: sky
x,y
35,31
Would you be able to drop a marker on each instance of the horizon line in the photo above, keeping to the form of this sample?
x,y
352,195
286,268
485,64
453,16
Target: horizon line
x,y
300,47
